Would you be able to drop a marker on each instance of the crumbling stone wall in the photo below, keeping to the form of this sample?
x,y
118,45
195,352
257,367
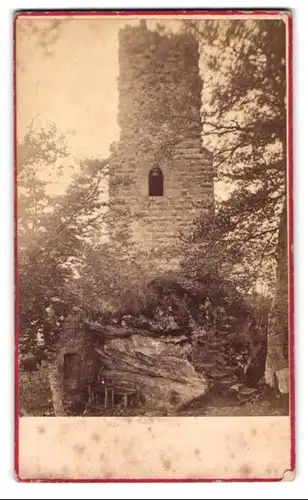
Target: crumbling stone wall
x,y
159,117
75,378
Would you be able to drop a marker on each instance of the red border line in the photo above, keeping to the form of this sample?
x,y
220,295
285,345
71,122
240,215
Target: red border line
x,y
16,316
173,13
234,480
158,12
290,241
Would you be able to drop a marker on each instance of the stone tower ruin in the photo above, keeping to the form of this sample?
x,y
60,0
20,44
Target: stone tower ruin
x,y
161,176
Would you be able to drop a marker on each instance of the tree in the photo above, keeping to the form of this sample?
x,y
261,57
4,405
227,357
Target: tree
x,y
59,238
53,231
37,155
244,117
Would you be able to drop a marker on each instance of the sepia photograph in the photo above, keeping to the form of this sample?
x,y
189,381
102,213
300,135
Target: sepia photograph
x,y
153,230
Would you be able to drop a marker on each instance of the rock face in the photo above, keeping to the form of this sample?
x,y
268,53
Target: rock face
x,y
191,337
165,379
228,343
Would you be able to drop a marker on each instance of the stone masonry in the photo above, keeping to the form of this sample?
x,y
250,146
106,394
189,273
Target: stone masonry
x,y
160,127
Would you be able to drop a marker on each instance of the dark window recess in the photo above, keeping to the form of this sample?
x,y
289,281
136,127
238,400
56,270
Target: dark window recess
x,y
156,182
71,366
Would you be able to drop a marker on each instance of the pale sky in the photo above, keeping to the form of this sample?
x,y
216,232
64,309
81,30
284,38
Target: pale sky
x,y
74,85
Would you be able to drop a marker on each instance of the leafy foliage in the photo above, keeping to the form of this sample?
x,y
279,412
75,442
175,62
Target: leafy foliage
x,y
53,230
244,117
61,247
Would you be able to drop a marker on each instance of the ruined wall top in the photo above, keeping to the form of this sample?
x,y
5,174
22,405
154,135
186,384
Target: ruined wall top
x,y
159,86
160,126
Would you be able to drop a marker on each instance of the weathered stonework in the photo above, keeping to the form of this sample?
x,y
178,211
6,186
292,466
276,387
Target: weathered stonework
x,y
159,117
74,366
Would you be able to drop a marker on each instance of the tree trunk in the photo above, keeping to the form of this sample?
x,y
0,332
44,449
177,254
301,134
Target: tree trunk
x,y
277,365
56,387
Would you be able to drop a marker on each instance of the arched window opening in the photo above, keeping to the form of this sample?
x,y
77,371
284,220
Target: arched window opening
x,y
156,182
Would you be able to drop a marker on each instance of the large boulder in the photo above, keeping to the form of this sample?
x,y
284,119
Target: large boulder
x,y
203,325
161,372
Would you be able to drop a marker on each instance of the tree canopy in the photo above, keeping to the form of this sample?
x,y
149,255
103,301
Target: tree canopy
x,y
243,64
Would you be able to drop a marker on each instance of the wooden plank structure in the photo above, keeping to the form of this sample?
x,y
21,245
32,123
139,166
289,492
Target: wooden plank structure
x,y
111,388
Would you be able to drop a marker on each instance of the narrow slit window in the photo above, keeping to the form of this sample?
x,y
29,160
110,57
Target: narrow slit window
x,y
156,182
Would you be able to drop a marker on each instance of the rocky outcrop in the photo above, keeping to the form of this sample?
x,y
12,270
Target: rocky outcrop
x,y
164,378
191,336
